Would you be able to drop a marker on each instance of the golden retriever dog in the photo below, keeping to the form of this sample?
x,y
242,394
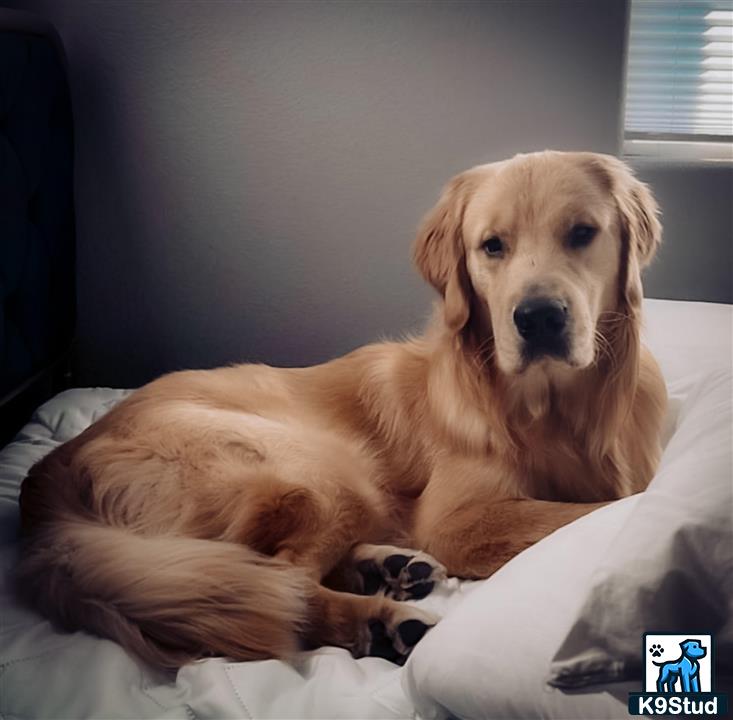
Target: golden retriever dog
x,y
250,511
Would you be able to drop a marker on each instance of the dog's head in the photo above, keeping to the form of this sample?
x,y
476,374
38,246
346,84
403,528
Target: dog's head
x,y
538,251
692,649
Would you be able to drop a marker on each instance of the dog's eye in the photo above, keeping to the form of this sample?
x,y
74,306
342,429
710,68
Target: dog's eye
x,y
494,246
581,236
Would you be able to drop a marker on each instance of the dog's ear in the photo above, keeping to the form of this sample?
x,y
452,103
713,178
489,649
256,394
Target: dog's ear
x,y
439,252
641,233
638,210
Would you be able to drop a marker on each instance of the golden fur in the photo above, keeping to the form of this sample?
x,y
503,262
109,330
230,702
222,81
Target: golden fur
x,y
222,511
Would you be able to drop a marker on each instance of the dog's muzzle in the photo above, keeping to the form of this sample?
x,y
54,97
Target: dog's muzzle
x,y
542,324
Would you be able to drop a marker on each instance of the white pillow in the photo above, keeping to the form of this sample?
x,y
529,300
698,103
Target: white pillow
x,y
671,567
491,657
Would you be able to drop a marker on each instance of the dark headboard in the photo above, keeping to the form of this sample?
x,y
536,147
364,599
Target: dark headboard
x,y
37,238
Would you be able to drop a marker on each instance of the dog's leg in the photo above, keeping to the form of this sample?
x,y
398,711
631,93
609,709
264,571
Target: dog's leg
x,y
673,678
660,685
685,678
365,625
310,527
473,532
397,572
476,541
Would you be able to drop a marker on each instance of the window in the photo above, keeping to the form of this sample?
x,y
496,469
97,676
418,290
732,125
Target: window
x,y
679,81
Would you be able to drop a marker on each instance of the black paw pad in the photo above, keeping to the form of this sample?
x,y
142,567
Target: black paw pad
x,y
381,644
420,570
371,577
418,591
411,631
394,564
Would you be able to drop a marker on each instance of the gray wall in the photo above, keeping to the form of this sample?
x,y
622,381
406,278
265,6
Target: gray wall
x,y
249,175
696,258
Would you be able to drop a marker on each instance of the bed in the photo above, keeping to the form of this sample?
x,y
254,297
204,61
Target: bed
x,y
555,633
523,614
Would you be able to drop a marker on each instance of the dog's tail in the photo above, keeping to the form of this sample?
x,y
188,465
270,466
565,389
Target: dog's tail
x,y
167,599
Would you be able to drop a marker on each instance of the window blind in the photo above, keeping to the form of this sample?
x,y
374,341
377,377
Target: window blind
x,y
679,83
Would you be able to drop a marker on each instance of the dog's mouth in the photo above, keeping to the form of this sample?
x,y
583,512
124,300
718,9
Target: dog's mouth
x,y
543,334
555,348
565,352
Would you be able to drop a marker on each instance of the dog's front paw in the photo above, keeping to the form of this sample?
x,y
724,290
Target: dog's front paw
x,y
397,572
394,635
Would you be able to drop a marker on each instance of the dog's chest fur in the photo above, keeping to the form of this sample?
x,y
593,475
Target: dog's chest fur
x,y
549,451
550,460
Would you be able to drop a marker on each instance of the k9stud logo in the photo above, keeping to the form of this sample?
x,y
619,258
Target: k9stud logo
x,y
678,663
678,677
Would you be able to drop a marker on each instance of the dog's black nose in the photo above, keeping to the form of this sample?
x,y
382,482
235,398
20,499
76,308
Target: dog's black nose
x,y
541,320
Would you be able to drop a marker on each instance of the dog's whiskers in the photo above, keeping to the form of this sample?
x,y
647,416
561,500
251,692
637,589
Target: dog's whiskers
x,y
611,316
481,355
604,348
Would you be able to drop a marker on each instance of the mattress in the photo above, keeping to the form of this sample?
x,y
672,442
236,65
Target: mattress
x,y
46,674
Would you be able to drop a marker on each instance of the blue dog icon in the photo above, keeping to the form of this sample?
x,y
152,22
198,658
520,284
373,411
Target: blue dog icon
x,y
687,669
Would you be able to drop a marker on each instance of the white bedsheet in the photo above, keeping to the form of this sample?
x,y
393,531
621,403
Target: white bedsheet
x,y
44,674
